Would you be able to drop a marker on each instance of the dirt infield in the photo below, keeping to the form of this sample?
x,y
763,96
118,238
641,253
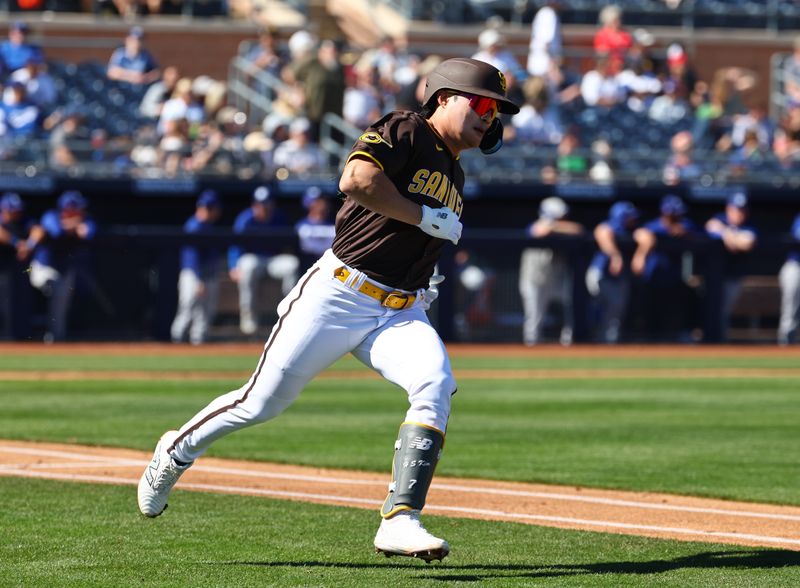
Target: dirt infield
x,y
632,513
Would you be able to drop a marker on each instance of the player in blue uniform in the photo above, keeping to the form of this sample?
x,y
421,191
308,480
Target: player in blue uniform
x,y
198,282
61,256
667,293
248,263
608,278
739,237
316,230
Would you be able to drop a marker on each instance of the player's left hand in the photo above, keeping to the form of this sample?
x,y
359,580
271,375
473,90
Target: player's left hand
x,y
441,222
432,293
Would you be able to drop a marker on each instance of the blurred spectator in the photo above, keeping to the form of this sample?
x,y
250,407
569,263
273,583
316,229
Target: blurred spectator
x,y
250,262
68,134
789,280
492,49
267,55
714,118
608,279
749,158
392,66
600,86
754,120
362,102
545,49
667,295
681,165
20,116
298,154
316,230
17,51
790,73
182,106
538,121
682,74
198,282
322,81
410,95
545,275
739,238
604,164
61,257
611,39
39,85
173,147
570,161
159,93
786,145
133,63
638,78
18,237
669,108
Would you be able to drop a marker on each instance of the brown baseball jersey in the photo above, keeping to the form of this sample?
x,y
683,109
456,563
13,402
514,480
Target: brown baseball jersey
x,y
414,157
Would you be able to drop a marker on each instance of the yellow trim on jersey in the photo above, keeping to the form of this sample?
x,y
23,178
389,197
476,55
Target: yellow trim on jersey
x,y
423,426
368,155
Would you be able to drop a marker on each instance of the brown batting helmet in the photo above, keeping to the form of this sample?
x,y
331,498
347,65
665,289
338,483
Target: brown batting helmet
x,y
470,76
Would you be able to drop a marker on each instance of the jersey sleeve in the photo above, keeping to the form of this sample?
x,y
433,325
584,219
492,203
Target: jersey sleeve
x,y
388,143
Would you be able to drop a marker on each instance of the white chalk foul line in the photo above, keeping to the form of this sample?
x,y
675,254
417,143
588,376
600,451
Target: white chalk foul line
x,y
443,486
709,535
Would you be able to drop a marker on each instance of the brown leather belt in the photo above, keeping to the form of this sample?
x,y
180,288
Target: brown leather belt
x,y
394,299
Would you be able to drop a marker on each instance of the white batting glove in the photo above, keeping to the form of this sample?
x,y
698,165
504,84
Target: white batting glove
x,y
432,293
441,222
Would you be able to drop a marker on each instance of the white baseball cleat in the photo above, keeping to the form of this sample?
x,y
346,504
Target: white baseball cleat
x,y
403,534
159,477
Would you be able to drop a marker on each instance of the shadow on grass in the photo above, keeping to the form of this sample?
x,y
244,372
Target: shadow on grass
x,y
743,560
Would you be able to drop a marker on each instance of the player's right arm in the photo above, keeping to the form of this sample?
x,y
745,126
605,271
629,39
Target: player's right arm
x,y
366,183
607,242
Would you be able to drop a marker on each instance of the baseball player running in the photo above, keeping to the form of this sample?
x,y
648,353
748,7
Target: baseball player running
x,y
367,295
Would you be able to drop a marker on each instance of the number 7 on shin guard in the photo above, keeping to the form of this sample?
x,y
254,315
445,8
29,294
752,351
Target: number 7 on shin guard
x,y
416,453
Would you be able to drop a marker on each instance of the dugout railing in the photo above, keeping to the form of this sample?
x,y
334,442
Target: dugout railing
x,y
130,291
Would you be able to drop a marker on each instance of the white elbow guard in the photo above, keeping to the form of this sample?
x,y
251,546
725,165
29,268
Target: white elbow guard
x,y
441,222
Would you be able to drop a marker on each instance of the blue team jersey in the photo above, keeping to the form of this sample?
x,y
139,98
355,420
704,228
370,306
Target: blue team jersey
x,y
203,260
315,237
142,62
600,259
16,56
665,266
247,224
733,265
20,120
61,249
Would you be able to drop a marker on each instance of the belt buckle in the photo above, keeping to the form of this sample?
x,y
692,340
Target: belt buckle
x,y
396,300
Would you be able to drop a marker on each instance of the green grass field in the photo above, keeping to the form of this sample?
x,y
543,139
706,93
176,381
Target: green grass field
x,y
721,437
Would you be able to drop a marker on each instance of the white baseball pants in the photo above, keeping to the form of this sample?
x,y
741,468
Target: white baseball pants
x,y
321,320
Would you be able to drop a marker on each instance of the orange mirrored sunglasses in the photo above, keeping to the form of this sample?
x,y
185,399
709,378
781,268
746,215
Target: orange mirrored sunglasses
x,y
482,105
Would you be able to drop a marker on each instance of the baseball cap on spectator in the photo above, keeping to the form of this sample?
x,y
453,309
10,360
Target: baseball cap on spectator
x,y
136,32
553,208
490,38
208,199
201,85
11,202
20,26
300,42
623,211
676,55
738,199
71,200
311,194
300,125
673,205
262,194
644,37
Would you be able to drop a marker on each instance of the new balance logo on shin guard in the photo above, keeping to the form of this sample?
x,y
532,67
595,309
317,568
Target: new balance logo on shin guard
x,y
421,443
